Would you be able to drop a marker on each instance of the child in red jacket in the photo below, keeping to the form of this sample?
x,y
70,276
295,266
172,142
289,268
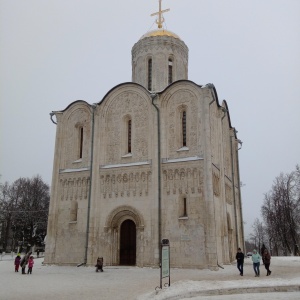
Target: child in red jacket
x,y
17,263
30,265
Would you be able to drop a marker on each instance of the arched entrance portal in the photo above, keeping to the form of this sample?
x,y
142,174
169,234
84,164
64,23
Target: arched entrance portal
x,y
125,231
128,243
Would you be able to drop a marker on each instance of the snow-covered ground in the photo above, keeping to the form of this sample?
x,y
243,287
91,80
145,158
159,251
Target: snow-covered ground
x,y
129,283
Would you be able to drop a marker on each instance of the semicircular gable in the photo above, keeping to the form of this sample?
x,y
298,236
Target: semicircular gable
x,y
75,135
122,95
120,86
83,102
224,104
77,111
128,102
180,87
181,102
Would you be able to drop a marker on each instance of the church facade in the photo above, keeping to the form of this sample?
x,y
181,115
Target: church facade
x,y
156,158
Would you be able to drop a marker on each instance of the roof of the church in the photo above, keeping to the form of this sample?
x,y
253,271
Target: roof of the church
x,y
160,32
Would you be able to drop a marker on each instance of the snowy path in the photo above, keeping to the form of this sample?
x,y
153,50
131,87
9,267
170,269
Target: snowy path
x,y
64,283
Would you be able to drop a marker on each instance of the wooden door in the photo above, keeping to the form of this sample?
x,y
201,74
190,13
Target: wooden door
x,y
128,243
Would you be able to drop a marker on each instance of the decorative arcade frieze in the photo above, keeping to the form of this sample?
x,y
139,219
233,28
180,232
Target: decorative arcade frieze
x,y
114,184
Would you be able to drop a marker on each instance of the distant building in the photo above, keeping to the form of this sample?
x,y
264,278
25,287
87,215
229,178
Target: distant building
x,y
156,158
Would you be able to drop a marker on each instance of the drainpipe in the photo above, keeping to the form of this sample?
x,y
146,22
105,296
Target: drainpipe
x,y
240,196
90,189
211,86
233,189
51,117
154,96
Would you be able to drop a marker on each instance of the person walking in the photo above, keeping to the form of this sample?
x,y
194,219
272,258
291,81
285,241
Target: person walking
x,y
240,260
99,265
17,262
262,251
267,261
24,262
256,262
30,265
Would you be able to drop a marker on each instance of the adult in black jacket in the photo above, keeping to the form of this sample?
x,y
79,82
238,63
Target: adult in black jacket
x,y
24,261
240,260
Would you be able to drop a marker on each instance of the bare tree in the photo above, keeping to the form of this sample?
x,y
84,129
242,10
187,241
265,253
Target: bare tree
x,y
249,246
24,205
5,214
258,235
281,210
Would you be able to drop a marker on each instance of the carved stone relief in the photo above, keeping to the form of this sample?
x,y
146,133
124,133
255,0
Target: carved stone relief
x,y
74,188
182,100
214,121
227,149
80,117
114,184
228,193
132,104
161,43
216,185
182,181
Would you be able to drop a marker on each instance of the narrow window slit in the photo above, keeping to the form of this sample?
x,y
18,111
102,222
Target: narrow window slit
x,y
184,208
150,74
183,128
81,142
170,71
129,136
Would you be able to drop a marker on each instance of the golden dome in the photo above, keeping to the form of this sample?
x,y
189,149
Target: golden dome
x,y
160,32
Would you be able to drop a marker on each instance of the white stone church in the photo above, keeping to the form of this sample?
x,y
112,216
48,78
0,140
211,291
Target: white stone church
x,y
156,158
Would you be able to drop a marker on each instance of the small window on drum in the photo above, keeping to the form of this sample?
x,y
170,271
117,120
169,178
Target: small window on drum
x,y
129,135
183,128
170,71
150,74
80,142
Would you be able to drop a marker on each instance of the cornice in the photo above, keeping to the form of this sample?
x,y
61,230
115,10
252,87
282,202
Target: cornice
x,y
159,42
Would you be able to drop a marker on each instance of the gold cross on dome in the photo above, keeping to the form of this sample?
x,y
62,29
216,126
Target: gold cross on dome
x,y
160,19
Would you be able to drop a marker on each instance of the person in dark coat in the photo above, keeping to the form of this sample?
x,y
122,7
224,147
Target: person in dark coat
x,y
99,265
240,261
24,261
17,263
267,261
262,251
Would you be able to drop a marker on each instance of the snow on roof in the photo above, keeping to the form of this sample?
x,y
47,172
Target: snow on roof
x,y
192,158
73,170
141,163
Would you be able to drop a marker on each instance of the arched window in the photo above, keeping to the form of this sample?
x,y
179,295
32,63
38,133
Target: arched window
x,y
150,74
170,71
80,141
73,211
183,127
183,208
129,136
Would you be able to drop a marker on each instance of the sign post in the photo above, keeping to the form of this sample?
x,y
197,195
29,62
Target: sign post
x,y
165,261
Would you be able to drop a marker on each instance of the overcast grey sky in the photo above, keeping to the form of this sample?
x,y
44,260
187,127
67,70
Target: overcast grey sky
x,y
55,52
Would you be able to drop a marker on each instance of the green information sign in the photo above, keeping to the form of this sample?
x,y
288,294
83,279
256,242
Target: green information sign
x,y
165,264
164,260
